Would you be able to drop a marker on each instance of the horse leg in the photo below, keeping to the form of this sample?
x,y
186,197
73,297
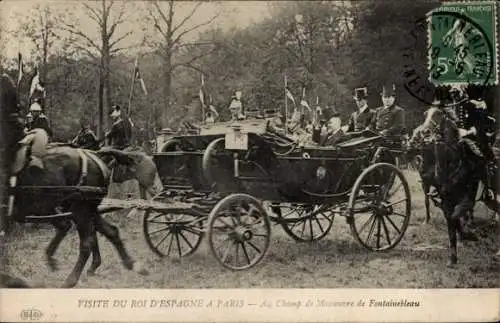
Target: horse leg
x,y
452,236
96,258
426,189
88,241
62,229
112,234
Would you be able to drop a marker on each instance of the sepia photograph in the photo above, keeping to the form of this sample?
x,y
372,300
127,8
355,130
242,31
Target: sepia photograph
x,y
249,145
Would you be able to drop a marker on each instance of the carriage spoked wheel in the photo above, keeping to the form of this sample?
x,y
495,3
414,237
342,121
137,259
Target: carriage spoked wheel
x,y
306,223
379,207
172,234
239,231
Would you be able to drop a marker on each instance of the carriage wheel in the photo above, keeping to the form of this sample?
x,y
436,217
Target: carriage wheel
x,y
379,207
306,223
172,234
239,231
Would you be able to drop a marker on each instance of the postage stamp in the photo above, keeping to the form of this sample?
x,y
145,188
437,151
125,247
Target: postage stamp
x,y
462,45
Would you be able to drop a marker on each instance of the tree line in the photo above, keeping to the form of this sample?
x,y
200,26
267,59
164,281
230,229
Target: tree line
x,y
326,49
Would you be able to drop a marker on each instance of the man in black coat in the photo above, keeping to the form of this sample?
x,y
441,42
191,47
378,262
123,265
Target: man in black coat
x,y
121,131
389,118
86,138
360,120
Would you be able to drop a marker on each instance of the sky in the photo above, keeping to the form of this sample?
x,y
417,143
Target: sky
x,y
231,13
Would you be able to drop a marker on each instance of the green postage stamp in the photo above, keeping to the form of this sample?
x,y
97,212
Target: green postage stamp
x,y
462,44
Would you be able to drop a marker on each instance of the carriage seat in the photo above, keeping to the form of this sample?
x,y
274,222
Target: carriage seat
x,y
32,147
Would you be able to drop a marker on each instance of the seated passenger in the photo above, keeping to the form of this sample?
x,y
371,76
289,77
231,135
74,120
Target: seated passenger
x,y
330,134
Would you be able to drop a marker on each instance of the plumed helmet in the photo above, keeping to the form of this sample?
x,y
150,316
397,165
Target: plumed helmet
x,y
35,107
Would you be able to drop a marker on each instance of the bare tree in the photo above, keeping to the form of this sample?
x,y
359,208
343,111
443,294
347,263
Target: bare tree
x,y
172,29
108,16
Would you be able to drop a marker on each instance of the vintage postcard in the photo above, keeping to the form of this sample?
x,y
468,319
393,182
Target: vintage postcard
x,y
263,161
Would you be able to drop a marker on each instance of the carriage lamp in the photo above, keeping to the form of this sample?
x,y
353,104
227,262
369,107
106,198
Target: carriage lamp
x,y
321,173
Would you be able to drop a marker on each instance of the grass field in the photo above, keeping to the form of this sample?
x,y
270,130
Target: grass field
x,y
337,261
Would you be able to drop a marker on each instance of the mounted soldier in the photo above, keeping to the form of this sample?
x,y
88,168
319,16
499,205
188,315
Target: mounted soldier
x,y
389,118
477,129
363,118
121,131
39,120
86,138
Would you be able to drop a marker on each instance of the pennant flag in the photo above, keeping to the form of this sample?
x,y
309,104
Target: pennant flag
x,y
201,93
35,84
290,95
137,76
303,101
20,68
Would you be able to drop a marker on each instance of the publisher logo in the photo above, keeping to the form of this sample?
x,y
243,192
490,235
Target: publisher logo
x,y
31,314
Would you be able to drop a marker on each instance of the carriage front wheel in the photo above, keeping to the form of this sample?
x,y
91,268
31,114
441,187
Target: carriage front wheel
x,y
171,234
239,231
379,207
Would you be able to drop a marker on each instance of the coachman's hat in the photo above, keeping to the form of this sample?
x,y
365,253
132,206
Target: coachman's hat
x,y
388,90
360,93
116,110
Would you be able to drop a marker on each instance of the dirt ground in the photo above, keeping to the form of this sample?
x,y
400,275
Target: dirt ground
x,y
336,261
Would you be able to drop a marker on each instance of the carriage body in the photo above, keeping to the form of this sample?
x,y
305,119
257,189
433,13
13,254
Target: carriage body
x,y
266,168
234,179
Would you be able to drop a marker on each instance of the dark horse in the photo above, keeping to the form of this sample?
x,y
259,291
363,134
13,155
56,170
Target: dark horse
x,y
58,167
456,173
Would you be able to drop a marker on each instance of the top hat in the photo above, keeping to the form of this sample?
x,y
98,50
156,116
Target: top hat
x,y
388,90
360,93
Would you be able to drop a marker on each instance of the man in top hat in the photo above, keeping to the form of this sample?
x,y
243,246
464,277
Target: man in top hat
x,y
389,118
119,135
360,120
39,120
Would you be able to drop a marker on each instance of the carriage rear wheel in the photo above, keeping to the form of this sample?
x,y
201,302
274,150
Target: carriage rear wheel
x,y
172,234
306,223
239,231
379,207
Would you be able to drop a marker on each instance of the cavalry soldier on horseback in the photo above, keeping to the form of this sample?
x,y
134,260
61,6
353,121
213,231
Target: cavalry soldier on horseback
x,y
363,118
477,128
86,138
121,131
390,118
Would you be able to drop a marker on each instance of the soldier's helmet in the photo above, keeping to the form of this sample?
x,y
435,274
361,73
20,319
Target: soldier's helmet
x,y
35,107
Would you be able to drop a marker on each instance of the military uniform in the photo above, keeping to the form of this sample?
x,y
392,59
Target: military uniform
x,y
389,119
121,131
117,137
360,120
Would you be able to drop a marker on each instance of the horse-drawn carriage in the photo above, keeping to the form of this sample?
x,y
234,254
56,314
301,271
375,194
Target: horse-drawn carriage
x,y
232,180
